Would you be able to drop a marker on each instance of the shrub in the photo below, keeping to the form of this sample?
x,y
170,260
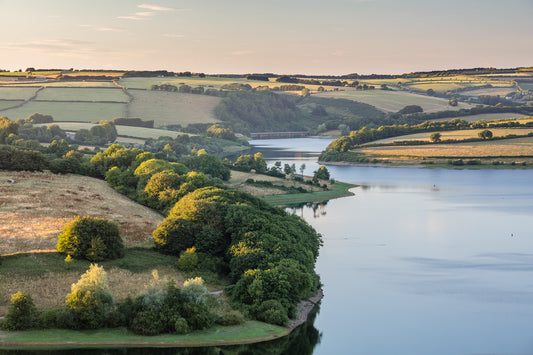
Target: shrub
x,y
181,326
197,315
188,260
195,291
91,238
272,312
147,323
230,318
22,313
90,299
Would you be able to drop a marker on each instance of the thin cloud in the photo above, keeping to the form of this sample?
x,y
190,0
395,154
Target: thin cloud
x,y
157,7
103,29
52,45
136,18
243,52
171,35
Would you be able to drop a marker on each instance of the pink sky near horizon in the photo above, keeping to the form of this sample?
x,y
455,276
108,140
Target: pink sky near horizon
x,y
292,36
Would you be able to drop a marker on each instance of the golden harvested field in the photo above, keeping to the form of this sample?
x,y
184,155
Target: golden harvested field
x,y
167,108
459,134
82,94
484,116
393,101
35,208
508,147
69,111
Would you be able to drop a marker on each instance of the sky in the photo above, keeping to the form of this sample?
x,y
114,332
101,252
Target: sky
x,y
331,37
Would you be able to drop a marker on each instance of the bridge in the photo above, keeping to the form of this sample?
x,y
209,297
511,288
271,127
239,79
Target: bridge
x,y
274,135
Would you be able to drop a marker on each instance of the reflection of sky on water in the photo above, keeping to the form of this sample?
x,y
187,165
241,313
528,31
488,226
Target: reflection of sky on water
x,y
426,261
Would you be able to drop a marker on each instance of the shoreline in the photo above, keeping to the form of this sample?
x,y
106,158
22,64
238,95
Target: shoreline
x,y
426,166
131,340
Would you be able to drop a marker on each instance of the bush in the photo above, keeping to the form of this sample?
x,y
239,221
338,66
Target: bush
x,y
195,291
181,326
230,318
58,318
90,299
198,316
91,238
272,312
22,313
147,323
188,260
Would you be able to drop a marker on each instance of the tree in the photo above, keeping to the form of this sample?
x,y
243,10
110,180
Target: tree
x,y
90,298
91,238
485,134
22,313
435,137
7,127
409,109
322,173
430,92
302,169
305,92
453,101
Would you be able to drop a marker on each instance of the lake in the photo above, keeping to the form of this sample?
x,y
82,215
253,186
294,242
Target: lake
x,y
417,262
421,261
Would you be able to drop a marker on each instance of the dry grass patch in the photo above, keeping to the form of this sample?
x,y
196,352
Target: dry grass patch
x,y
458,135
35,208
507,148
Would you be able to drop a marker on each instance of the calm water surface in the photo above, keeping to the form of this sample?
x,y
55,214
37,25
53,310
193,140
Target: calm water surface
x,y
417,262
422,261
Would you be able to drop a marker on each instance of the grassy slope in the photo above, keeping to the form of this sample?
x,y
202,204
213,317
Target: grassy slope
x,y
172,108
393,101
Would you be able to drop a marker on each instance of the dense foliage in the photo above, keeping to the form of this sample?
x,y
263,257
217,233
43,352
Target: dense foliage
x,y
91,238
270,255
22,313
262,111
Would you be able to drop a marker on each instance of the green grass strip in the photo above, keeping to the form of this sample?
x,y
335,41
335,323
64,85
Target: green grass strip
x,y
339,189
249,332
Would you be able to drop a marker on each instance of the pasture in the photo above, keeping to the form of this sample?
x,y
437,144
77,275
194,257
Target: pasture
x,y
393,101
519,147
4,104
489,91
69,111
122,131
16,93
458,135
167,108
82,94
485,117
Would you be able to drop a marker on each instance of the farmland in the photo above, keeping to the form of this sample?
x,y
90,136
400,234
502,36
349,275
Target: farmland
x,y
393,101
17,93
457,135
69,111
520,147
167,108
82,94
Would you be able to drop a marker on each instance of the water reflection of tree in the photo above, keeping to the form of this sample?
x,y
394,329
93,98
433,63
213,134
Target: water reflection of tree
x,y
318,208
302,341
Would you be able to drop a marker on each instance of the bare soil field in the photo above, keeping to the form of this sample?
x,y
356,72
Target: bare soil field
x,y
35,208
167,108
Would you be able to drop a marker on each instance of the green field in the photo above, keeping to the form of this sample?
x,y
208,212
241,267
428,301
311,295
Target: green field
x,y
8,103
489,91
82,94
393,101
69,111
125,131
251,331
16,93
167,108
